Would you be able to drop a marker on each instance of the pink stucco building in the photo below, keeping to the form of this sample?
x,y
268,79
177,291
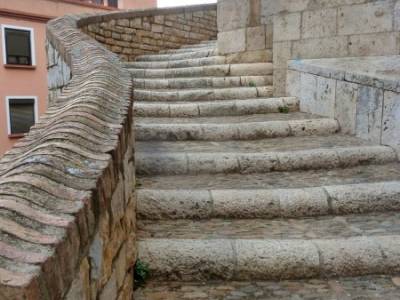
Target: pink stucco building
x,y
23,72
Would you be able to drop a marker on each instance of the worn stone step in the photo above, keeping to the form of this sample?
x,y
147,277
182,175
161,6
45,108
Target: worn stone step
x,y
177,56
186,203
201,44
247,127
254,69
363,287
279,154
185,63
254,249
357,189
202,94
202,82
189,49
215,108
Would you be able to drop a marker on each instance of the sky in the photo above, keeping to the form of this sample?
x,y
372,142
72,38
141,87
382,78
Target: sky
x,y
166,3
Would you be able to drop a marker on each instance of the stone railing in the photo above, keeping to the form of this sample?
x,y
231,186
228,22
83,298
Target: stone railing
x,y
363,94
67,223
136,32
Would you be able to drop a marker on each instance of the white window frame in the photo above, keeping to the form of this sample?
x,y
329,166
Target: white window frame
x,y
35,109
32,40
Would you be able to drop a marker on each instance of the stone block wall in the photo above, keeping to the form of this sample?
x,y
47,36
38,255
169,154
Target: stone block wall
x,y
363,94
241,32
302,29
58,73
67,226
133,33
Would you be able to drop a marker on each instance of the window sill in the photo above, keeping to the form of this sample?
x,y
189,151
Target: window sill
x,y
16,135
9,66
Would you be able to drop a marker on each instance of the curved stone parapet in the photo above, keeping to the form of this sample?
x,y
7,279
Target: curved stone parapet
x,y
136,32
67,213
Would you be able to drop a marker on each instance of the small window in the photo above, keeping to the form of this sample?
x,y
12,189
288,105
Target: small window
x,y
18,46
113,3
22,114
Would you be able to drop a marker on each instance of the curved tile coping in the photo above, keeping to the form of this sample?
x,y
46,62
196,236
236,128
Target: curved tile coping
x,y
378,71
58,183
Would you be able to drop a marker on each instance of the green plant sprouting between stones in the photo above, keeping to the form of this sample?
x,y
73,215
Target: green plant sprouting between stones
x,y
283,109
141,273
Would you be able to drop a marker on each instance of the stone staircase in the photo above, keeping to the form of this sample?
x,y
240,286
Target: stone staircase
x,y
241,196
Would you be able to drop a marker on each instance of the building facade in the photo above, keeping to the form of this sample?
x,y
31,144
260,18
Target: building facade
x,y
23,66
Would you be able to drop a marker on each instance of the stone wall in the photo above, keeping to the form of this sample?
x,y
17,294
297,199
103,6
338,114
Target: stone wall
x,y
133,33
67,223
58,73
363,94
310,29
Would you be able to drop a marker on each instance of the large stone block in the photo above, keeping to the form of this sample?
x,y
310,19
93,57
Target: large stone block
x,y
320,47
273,7
287,27
308,92
293,84
255,38
345,105
365,18
282,54
326,92
233,14
391,120
369,113
397,16
232,41
279,82
373,44
319,23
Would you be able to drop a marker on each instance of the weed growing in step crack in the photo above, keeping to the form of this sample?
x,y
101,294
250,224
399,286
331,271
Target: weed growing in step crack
x,y
141,273
283,109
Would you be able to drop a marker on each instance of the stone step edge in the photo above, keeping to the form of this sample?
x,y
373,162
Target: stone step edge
x,y
228,67
245,259
188,50
176,56
250,130
216,108
239,203
205,94
200,82
177,64
180,163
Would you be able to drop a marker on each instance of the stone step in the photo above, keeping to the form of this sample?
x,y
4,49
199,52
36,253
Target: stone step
x,y
259,249
215,108
200,45
247,127
254,69
347,196
202,82
364,287
177,56
202,94
185,63
260,156
189,49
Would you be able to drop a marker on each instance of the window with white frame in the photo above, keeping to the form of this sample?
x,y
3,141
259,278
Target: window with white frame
x,y
22,113
18,45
